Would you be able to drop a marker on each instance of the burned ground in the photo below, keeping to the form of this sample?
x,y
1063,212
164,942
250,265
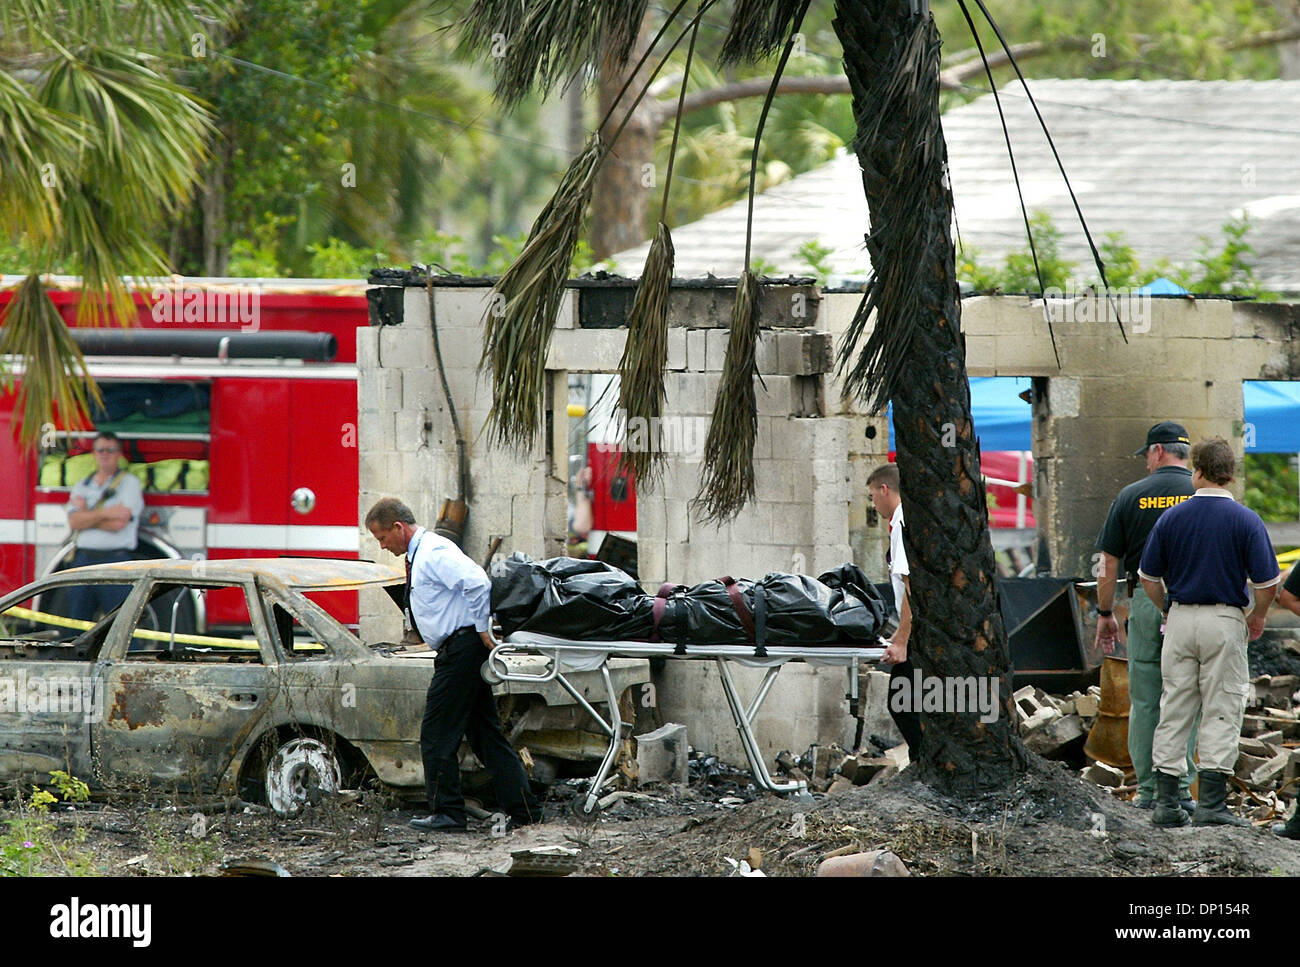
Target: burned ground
x,y
1050,824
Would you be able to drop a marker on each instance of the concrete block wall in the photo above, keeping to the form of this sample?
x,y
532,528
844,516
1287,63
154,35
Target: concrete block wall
x,y
1183,360
805,705
866,443
408,444
815,446
805,487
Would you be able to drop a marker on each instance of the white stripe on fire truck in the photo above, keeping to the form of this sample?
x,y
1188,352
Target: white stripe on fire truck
x,y
276,537
17,532
271,537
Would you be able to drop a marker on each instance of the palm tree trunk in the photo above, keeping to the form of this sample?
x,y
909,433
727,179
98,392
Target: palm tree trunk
x,y
957,630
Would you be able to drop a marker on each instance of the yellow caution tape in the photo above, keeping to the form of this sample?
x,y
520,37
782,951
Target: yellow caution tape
x,y
242,644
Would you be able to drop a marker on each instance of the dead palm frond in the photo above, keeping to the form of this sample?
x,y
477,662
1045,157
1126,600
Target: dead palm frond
x,y
536,44
900,96
55,383
758,28
727,477
641,370
519,324
521,319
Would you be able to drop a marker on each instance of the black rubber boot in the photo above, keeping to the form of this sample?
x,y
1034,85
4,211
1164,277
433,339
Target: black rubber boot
x,y
1168,812
1291,828
1212,810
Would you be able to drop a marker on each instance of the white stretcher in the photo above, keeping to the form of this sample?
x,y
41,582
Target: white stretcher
x,y
569,655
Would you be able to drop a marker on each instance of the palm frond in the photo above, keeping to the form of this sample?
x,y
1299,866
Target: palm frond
x,y
161,24
518,334
757,29
35,144
641,370
536,44
727,477
901,94
146,136
56,386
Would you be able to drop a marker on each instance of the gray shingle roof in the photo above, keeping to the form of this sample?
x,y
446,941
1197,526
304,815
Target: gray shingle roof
x,y
1164,162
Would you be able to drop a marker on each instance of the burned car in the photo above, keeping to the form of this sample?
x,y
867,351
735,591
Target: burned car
x,y
292,707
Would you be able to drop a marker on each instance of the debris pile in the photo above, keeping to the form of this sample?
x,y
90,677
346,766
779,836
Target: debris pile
x,y
1268,764
1054,727
1267,776
829,769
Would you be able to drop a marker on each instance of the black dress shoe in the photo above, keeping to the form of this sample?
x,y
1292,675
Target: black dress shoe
x,y
437,824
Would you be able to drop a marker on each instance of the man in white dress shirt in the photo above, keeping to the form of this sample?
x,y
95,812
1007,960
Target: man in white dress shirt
x,y
449,607
883,488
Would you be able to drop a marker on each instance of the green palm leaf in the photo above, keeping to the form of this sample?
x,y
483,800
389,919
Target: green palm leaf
x,y
32,330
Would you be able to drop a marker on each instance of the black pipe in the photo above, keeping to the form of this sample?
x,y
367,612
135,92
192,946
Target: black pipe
x,y
215,343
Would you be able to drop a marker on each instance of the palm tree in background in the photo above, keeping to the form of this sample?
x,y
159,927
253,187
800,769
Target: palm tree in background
x,y
904,345
98,150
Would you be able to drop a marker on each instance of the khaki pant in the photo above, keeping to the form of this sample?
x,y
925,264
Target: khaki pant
x,y
1144,686
1203,667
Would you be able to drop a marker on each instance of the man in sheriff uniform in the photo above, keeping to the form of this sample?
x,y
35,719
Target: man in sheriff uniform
x,y
1123,536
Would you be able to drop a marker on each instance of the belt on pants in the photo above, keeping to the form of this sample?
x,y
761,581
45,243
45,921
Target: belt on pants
x,y
462,631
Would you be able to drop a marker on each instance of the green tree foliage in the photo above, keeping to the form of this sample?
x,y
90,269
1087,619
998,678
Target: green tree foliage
x,y
1140,39
279,140
356,122
1223,270
1272,486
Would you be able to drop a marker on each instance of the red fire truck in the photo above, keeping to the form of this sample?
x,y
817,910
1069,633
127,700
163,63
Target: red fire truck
x,y
236,402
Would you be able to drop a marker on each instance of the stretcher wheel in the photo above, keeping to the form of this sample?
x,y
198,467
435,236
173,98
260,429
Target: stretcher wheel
x,y
578,809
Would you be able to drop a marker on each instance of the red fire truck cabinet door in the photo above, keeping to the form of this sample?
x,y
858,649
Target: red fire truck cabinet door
x,y
322,484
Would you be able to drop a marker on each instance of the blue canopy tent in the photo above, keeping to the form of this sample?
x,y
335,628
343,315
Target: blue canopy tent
x,y
1272,416
1003,421
1162,286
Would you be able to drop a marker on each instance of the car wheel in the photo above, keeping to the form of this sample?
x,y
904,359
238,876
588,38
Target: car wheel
x,y
299,772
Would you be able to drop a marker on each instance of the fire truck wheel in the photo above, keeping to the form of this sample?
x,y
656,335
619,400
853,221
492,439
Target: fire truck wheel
x,y
298,774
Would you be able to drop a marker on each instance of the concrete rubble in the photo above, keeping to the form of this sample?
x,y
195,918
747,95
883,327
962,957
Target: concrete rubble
x,y
662,756
834,771
1267,776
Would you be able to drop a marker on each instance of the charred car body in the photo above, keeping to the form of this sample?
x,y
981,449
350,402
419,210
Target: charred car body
x,y
299,705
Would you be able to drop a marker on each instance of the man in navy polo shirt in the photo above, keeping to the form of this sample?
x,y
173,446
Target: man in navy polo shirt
x,y
1204,552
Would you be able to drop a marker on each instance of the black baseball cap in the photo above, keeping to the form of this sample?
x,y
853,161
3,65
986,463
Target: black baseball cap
x,y
1166,432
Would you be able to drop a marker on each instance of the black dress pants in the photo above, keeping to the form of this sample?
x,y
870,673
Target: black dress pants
x,y
908,720
460,705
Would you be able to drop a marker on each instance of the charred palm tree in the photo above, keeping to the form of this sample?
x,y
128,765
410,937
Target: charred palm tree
x,y
914,355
